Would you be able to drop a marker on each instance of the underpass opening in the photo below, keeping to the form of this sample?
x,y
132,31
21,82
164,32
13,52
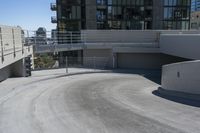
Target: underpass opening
x,y
145,60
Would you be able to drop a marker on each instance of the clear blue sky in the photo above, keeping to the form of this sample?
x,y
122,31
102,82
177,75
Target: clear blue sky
x,y
29,14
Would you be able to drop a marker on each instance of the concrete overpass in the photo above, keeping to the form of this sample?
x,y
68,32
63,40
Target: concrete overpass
x,y
130,49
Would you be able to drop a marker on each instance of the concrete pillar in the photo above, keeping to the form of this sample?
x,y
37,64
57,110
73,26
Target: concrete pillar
x,y
80,56
18,69
114,59
91,14
61,59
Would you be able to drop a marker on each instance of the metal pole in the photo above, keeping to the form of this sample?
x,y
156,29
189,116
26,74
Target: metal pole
x,y
113,61
28,41
2,52
83,33
67,71
35,41
23,40
94,63
13,33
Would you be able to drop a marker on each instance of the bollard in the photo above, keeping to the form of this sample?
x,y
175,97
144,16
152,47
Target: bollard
x,y
67,71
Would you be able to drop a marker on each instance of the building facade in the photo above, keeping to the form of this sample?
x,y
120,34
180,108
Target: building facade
x,y
74,15
195,5
176,14
195,20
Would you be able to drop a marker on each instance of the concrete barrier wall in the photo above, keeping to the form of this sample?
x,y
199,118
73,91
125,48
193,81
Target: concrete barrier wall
x,y
119,36
11,37
12,52
182,45
182,77
127,36
11,46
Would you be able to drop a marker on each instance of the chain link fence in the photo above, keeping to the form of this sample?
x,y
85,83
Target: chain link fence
x,y
51,61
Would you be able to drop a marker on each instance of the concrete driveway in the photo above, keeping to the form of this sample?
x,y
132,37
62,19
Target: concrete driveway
x,y
91,103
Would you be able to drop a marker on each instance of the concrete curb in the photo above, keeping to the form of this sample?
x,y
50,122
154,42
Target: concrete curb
x,y
187,96
87,72
72,74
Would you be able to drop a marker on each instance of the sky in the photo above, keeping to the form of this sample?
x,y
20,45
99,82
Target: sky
x,y
28,14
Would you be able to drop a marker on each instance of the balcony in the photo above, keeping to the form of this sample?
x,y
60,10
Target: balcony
x,y
53,19
53,6
101,4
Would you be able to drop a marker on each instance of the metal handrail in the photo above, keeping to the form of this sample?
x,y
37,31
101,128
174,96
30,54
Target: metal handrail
x,y
2,52
13,35
110,38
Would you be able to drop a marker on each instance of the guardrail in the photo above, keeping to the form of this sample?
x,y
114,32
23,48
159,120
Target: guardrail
x,y
56,41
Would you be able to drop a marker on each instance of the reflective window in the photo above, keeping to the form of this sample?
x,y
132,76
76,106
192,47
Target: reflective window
x,y
176,14
126,14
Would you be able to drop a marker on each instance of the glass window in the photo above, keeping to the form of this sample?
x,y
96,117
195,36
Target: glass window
x,y
176,14
101,2
128,14
109,2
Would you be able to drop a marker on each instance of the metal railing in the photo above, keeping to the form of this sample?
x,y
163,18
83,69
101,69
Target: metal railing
x,y
56,41
57,62
65,41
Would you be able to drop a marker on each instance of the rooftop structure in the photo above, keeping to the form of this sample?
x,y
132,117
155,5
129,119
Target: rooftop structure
x,y
195,20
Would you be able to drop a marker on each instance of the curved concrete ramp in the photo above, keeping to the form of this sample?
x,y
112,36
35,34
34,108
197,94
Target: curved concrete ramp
x,y
91,103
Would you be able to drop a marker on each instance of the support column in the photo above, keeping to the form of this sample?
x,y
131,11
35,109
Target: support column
x,y
114,59
18,68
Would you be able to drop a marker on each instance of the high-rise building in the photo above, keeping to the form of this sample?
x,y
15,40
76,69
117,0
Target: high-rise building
x,y
195,6
74,15
41,32
195,20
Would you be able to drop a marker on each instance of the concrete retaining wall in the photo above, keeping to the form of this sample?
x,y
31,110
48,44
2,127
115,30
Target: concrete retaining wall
x,y
13,70
182,45
182,77
5,73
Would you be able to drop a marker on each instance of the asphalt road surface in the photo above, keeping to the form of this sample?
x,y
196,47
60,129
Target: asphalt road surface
x,y
91,103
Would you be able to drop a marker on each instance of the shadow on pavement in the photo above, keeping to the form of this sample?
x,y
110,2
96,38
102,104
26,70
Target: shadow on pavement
x,y
153,75
181,100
